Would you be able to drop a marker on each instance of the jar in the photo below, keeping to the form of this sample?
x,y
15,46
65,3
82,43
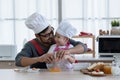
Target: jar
x,y
107,69
54,67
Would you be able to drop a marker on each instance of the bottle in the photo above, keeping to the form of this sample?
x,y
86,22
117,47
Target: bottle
x,y
107,69
115,68
114,61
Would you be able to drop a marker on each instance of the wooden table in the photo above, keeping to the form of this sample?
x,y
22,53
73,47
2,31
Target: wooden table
x,y
10,74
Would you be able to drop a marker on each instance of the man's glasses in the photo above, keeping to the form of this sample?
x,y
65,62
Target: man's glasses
x,y
49,34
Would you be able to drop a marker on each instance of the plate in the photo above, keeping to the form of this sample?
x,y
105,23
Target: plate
x,y
86,71
97,74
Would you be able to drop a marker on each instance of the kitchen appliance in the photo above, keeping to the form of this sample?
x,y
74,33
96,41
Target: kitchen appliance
x,y
109,46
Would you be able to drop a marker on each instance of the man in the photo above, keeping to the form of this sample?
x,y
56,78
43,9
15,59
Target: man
x,y
34,52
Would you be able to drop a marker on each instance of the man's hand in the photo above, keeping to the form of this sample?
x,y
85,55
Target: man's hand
x,y
48,58
60,54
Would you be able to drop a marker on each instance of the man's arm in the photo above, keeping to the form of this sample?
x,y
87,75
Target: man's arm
x,y
26,58
78,48
27,61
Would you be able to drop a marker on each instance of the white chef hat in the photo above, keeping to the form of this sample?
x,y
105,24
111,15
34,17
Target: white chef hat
x,y
36,22
66,29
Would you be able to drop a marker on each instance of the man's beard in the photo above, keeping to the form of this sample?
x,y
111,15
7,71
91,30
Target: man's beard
x,y
49,41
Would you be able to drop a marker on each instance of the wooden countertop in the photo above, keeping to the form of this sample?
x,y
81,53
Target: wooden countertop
x,y
10,74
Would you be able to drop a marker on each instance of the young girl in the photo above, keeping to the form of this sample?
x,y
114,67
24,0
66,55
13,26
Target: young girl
x,y
62,36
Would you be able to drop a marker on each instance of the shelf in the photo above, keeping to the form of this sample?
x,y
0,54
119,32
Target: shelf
x,y
83,37
93,43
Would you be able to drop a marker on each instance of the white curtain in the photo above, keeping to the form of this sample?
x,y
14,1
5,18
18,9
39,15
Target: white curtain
x,y
85,15
12,17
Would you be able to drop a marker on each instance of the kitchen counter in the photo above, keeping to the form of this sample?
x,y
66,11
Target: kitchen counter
x,y
10,74
7,63
7,58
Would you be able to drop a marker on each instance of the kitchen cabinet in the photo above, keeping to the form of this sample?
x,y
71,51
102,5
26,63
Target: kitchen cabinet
x,y
7,64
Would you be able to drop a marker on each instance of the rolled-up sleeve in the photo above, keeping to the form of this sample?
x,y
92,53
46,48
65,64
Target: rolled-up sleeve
x,y
25,52
18,60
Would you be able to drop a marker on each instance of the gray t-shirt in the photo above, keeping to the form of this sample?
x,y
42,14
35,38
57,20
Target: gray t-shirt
x,y
29,50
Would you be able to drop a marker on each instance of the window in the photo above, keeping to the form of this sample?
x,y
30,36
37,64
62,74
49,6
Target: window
x,y
13,14
85,15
